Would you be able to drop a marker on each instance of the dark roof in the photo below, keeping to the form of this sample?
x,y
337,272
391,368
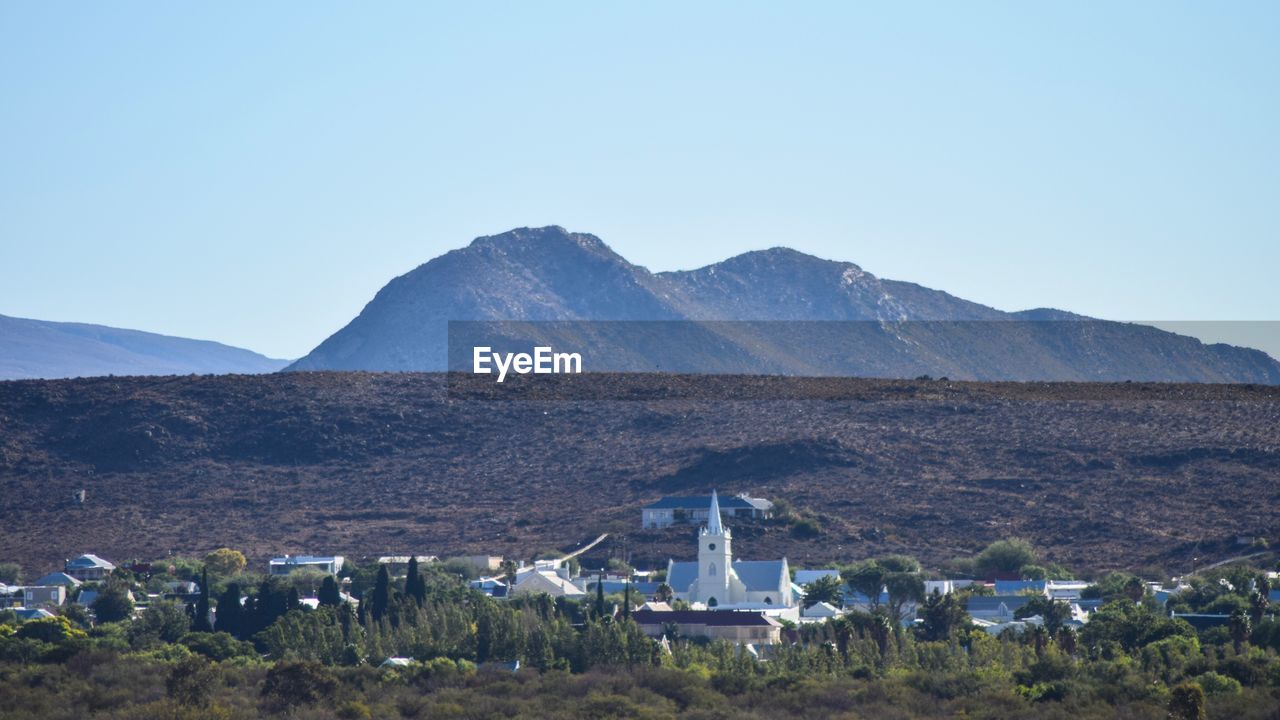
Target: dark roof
x,y
1204,621
717,618
699,502
983,603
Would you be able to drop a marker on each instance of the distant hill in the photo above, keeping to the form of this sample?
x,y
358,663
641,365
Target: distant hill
x,y
1124,475
41,349
790,313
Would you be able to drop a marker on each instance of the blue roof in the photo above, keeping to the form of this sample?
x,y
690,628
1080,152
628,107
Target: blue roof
x,y
980,603
57,578
617,586
698,502
1013,587
760,575
681,575
89,561
804,577
756,575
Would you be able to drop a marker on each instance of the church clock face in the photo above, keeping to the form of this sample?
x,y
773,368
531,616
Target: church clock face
x,y
711,546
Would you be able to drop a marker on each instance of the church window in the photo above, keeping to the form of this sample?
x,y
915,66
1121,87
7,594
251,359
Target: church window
x,y
768,600
711,570
711,546
712,602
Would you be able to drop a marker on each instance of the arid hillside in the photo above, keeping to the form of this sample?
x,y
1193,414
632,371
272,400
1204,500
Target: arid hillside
x,y
1098,475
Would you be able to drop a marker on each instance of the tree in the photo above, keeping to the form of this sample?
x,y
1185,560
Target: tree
x,y
10,573
191,681
825,589
331,596
161,622
600,595
508,570
289,684
113,603
1186,702
941,616
1004,557
201,621
1054,613
225,562
664,593
229,617
414,586
1240,629
866,578
380,598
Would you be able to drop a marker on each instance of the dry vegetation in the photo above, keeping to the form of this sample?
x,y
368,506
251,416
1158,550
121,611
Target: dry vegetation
x,y
1098,475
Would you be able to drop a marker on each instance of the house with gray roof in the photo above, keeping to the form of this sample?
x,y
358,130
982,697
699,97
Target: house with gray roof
x,y
695,510
88,567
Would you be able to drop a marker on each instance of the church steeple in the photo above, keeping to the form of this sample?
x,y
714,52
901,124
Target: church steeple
x,y
713,517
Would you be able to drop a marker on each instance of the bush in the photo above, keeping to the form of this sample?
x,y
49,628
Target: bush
x,y
217,646
1215,684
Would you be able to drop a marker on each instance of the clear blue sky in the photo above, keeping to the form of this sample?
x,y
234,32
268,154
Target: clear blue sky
x,y
253,172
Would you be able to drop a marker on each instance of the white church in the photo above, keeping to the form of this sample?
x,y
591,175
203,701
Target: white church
x,y
716,580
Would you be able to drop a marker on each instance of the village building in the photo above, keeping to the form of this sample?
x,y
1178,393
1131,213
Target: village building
x,y
753,628
88,567
330,564
716,580
44,595
694,510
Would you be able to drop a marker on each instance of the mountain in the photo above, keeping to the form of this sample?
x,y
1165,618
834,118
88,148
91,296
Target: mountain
x,y
41,349
775,311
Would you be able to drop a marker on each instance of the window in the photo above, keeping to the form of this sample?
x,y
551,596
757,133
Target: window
x,y
711,570
712,602
768,600
711,546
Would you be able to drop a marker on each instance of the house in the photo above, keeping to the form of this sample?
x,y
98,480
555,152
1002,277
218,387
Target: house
x,y
86,597
88,567
996,608
807,577
396,662
1065,589
398,565
25,614
1020,587
330,564
1204,621
491,586
820,611
737,627
717,580
694,510
483,563
58,578
44,595
944,587
545,581
638,589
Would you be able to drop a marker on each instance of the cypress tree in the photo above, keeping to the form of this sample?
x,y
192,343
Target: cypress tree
x,y
414,586
201,621
329,595
600,595
381,594
626,599
229,618
293,602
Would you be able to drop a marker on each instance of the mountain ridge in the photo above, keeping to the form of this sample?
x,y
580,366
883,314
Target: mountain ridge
x,y
44,349
787,303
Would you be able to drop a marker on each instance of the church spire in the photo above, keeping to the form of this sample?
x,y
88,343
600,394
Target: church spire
x,y
713,517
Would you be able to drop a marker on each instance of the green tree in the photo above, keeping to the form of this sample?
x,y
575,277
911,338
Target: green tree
x,y
1240,629
414,586
331,596
1186,702
113,603
200,623
191,681
10,573
1054,613
825,589
291,684
1005,556
941,616
225,562
380,597
230,612
161,622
